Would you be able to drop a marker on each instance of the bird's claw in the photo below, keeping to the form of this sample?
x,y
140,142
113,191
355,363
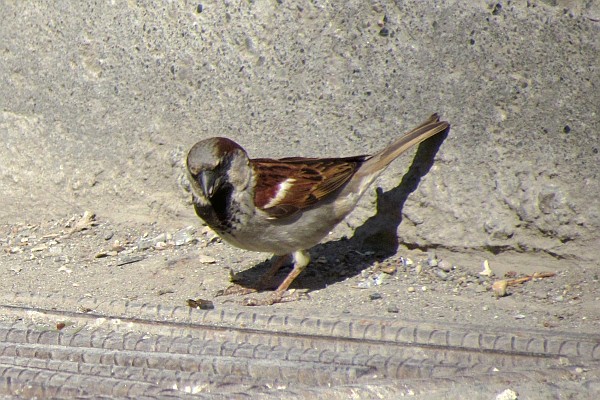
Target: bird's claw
x,y
275,298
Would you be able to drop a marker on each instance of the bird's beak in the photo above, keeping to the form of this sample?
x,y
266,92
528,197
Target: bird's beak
x,y
207,181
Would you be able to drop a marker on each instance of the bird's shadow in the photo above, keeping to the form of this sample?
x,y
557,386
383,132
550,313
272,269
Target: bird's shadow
x,y
375,240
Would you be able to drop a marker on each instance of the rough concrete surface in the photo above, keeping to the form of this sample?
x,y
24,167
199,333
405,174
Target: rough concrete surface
x,y
100,100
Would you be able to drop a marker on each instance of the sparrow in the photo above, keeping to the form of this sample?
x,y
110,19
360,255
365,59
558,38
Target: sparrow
x,y
284,206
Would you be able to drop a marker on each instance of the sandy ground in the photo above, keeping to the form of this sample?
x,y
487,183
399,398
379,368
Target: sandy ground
x,y
53,270
144,263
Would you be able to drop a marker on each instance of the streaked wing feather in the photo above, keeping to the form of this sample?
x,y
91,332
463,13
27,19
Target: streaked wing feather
x,y
310,181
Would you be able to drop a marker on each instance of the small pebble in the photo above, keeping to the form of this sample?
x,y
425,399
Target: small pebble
x,y
184,236
507,394
160,245
410,289
392,308
375,296
388,269
40,247
441,274
445,266
499,288
206,259
519,316
201,304
379,278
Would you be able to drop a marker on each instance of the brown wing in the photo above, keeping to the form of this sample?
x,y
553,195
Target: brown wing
x,y
289,185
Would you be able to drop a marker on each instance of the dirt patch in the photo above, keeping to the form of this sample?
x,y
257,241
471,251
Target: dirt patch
x,y
80,257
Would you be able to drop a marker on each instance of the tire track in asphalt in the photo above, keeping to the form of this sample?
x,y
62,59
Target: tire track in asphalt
x,y
119,349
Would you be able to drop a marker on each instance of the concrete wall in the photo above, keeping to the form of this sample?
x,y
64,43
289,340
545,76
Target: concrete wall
x,y
99,100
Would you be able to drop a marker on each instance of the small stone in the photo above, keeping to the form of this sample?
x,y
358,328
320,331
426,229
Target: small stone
x,y
184,236
389,269
418,269
375,296
520,316
117,246
424,288
40,247
445,266
441,274
87,220
379,278
499,288
560,298
145,244
108,235
392,308
206,259
407,262
410,289
432,262
507,394
160,245
201,304
365,284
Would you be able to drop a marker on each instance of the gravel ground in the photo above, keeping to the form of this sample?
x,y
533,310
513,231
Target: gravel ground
x,y
104,283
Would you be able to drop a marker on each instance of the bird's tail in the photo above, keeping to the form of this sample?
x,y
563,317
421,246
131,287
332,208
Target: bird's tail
x,y
431,127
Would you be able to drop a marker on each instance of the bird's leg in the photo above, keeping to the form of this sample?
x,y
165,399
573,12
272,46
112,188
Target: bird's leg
x,y
267,279
301,260
265,282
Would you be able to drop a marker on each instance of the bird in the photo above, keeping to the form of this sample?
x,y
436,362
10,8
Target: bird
x,y
284,206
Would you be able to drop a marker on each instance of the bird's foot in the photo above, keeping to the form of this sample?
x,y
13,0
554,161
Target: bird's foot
x,y
275,298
